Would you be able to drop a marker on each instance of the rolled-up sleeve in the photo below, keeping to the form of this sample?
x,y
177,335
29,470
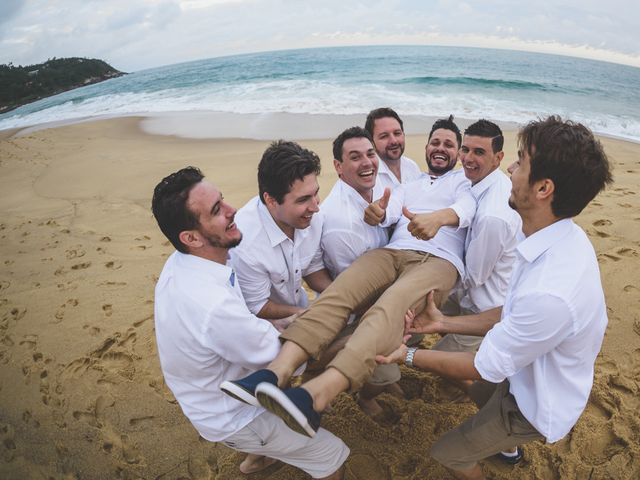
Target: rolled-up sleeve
x,y
534,325
254,281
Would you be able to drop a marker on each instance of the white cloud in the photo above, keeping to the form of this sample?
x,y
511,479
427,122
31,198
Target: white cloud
x,y
137,34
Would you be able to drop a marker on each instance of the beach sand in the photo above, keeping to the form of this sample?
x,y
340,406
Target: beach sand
x,y
81,391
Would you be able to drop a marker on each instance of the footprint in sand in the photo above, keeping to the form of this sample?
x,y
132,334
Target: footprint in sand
x,y
363,466
71,302
608,256
627,252
75,252
107,309
18,313
113,265
7,434
140,322
630,288
81,266
4,284
602,223
105,239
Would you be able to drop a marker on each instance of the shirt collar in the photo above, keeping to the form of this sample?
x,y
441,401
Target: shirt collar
x,y
383,169
349,190
535,245
273,231
221,273
483,185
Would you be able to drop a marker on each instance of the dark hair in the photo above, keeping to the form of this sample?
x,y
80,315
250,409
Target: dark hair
x,y
447,124
569,155
486,129
353,132
281,165
169,204
383,112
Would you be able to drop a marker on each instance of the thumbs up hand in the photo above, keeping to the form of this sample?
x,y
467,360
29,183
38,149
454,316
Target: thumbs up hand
x,y
376,212
425,226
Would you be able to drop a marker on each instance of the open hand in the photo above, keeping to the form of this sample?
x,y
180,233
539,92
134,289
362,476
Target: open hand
x,y
397,356
429,320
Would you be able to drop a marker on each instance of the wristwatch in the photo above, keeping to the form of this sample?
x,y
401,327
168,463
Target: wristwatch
x,y
408,360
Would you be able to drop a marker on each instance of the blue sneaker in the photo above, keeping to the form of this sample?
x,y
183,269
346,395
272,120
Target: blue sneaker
x,y
244,389
511,459
293,405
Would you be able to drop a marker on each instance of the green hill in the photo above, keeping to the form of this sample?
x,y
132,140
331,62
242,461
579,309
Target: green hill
x,y
21,85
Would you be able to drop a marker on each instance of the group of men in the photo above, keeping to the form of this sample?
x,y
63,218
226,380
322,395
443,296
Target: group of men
x,y
518,280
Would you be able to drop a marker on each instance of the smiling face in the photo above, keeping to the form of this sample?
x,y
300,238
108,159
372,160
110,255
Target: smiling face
x,y
359,166
216,226
297,207
441,151
477,157
388,138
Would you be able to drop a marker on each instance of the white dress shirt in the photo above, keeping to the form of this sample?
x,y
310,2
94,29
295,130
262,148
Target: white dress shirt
x,y
345,234
205,335
490,245
270,265
426,195
551,331
409,171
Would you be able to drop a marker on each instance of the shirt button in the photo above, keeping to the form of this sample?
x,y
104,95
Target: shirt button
x,y
296,271
297,290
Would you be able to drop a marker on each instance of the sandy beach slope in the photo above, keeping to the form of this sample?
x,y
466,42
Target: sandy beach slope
x,y
81,392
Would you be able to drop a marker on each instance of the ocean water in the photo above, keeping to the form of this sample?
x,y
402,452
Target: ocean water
x,y
505,86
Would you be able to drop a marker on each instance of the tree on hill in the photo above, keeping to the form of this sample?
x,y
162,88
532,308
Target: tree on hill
x,y
20,85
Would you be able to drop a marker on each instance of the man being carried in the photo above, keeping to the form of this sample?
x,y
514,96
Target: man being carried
x,y
282,234
395,278
387,132
346,236
205,333
491,238
535,364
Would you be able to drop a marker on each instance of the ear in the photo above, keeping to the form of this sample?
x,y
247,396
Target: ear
x,y
191,239
499,156
544,189
338,166
269,200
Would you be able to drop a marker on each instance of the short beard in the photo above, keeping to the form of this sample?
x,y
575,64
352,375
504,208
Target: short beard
x,y
440,170
215,242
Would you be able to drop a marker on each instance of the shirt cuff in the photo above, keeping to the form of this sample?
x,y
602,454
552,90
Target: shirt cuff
x,y
492,364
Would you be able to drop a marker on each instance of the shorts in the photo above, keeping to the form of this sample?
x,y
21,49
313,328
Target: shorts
x,y
268,435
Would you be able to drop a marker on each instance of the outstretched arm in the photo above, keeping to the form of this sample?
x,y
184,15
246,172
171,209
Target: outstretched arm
x,y
456,365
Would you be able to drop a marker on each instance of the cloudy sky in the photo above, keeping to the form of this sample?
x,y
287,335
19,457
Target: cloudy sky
x,y
133,35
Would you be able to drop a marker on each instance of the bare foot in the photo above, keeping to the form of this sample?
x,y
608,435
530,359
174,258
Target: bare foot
x,y
254,463
370,406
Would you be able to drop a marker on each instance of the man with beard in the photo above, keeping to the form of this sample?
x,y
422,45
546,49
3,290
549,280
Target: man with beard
x,y
387,132
205,333
394,279
491,238
534,368
282,234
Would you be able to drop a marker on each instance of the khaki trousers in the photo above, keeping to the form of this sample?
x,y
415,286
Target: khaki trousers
x,y
395,280
499,425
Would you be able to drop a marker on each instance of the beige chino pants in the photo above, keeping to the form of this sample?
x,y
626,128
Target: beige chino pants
x,y
396,280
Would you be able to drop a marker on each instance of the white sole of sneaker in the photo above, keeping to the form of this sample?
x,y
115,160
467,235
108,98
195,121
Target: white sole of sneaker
x,y
274,400
238,393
